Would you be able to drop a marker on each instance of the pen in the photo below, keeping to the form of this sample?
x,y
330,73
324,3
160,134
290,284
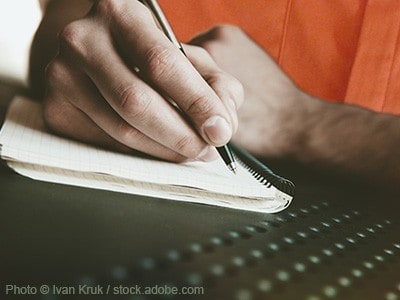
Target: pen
x,y
224,151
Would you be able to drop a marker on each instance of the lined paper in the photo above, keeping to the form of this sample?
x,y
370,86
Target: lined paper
x,y
33,151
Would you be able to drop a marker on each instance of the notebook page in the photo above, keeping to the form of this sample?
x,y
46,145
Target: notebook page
x,y
111,183
25,139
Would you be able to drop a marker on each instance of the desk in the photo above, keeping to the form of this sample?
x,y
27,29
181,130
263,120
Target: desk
x,y
332,242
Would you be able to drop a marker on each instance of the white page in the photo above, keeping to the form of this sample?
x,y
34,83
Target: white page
x,y
25,140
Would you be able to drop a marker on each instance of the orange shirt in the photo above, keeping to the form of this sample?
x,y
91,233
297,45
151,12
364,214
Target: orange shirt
x,y
338,50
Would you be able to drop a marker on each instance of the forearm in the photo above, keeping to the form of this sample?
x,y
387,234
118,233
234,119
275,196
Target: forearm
x,y
279,121
57,13
360,144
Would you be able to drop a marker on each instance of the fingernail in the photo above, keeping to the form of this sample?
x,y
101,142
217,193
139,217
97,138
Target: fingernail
x,y
217,130
208,154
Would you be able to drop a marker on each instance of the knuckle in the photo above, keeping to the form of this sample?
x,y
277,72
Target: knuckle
x,y
159,63
108,7
124,14
225,31
220,34
200,106
236,90
128,135
185,144
134,102
216,77
121,8
232,86
217,33
72,38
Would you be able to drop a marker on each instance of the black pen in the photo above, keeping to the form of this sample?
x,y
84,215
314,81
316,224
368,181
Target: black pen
x,y
224,151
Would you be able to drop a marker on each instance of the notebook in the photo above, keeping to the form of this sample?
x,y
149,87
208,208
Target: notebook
x,y
31,150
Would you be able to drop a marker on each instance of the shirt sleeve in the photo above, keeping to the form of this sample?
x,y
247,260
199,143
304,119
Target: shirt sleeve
x,y
19,20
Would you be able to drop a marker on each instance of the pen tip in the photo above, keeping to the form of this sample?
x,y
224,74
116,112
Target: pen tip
x,y
232,167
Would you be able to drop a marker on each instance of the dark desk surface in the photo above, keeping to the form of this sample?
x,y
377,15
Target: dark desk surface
x,y
332,242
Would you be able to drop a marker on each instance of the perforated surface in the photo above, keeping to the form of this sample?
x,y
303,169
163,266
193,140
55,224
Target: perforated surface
x,y
314,252
331,243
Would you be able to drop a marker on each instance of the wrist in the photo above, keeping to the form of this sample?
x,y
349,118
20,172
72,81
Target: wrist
x,y
298,121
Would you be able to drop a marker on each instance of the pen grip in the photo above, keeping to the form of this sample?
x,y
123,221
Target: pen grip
x,y
226,154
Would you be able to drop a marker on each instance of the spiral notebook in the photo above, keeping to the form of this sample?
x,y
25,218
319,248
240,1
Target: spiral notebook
x,y
31,150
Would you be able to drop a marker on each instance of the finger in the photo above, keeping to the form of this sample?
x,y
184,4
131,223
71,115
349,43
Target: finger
x,y
228,88
85,98
134,100
166,68
58,115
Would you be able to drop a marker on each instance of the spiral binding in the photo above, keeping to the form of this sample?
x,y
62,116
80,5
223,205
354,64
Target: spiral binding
x,y
261,172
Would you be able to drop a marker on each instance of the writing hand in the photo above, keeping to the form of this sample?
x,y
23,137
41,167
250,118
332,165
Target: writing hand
x,y
109,82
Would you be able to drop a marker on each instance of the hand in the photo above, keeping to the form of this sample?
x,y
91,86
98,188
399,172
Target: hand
x,y
273,114
109,83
